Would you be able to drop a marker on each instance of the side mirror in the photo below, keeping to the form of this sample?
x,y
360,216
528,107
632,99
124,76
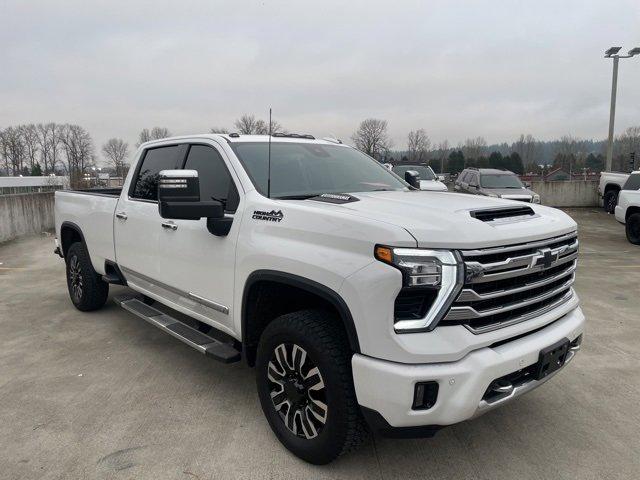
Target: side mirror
x,y
441,178
473,185
412,178
179,197
527,184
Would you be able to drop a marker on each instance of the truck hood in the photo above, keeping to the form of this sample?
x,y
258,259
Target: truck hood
x,y
443,219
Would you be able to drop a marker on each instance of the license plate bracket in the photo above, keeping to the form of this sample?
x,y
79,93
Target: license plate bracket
x,y
552,358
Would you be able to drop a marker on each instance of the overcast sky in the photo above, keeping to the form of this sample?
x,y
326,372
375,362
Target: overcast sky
x,y
457,69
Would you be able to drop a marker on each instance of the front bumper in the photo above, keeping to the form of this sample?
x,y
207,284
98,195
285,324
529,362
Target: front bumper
x,y
387,388
619,213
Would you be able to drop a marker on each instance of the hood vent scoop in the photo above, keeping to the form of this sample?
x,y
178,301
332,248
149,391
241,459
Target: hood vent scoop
x,y
503,214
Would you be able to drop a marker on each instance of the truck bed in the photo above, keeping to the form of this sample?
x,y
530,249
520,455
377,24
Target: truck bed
x,y
92,211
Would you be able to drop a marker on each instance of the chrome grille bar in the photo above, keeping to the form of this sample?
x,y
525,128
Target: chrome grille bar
x,y
480,273
523,318
467,312
470,295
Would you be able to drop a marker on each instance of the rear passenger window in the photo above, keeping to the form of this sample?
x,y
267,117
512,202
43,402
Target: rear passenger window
x,y
633,182
155,160
215,180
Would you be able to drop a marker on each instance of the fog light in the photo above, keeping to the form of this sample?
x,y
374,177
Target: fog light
x,y
425,395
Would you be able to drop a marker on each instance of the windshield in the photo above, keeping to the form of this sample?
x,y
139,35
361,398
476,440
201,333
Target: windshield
x,y
500,181
310,169
425,172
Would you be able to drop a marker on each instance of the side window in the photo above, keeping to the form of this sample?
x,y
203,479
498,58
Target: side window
x,y
474,178
633,182
215,181
155,160
465,176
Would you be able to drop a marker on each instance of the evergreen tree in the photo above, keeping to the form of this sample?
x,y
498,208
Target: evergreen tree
x,y
36,170
455,163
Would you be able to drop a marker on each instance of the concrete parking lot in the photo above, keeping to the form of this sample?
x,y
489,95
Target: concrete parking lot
x,y
106,395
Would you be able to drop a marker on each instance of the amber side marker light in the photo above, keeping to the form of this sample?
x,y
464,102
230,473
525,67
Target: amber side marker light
x,y
384,254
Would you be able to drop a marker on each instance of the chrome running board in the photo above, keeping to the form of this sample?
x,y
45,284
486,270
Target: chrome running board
x,y
205,344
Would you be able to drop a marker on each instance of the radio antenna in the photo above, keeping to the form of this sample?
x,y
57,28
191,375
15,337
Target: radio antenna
x,y
269,160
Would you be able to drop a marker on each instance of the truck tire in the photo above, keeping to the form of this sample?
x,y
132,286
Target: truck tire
x,y
86,288
305,385
610,201
633,228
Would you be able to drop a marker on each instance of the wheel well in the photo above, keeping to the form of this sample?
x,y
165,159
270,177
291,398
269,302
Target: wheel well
x,y
269,295
69,234
631,211
611,187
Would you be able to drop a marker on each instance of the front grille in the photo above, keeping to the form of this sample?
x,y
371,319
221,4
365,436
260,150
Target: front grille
x,y
511,284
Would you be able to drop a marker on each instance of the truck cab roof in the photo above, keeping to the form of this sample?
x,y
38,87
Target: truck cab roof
x,y
233,138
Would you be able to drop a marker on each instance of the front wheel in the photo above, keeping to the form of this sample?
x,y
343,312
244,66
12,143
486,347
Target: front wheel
x,y
305,385
87,290
633,228
610,201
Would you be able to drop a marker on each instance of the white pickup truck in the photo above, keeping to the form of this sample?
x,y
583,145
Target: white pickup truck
x,y
360,300
609,188
628,209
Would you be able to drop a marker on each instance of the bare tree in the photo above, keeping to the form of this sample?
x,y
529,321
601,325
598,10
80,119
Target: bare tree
x,y
568,145
474,147
372,137
443,153
156,133
116,151
31,146
49,140
219,130
249,125
418,144
78,149
246,124
629,141
527,148
13,150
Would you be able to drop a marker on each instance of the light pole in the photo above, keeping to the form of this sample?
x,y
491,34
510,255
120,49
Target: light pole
x,y
613,53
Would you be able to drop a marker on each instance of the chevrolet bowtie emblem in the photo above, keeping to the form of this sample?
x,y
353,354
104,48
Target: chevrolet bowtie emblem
x,y
545,258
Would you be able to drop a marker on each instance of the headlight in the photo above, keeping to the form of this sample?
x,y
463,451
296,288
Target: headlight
x,y
437,273
536,198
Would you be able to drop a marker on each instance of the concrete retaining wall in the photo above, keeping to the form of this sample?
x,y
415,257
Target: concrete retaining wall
x,y
567,194
25,214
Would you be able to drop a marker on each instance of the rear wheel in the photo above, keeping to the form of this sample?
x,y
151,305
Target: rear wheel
x,y
610,201
86,288
633,228
305,385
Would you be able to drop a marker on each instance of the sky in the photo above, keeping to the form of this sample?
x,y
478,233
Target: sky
x,y
458,69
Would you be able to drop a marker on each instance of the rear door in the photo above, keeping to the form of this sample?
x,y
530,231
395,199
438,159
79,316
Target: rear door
x,y
137,223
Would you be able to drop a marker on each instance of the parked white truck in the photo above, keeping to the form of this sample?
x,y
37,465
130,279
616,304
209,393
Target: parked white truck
x,y
628,209
359,299
609,188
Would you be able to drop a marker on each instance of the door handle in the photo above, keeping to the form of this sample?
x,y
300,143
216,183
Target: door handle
x,y
121,215
169,225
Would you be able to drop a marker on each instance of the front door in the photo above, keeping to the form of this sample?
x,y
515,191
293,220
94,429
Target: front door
x,y
195,263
